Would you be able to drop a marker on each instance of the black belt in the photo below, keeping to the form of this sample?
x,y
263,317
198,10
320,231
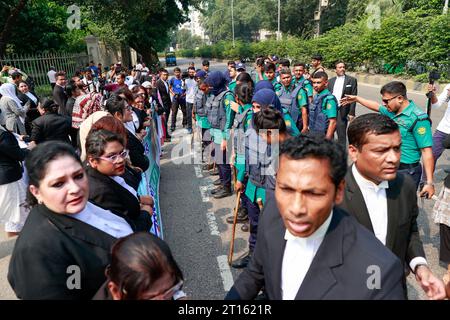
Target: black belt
x,y
404,166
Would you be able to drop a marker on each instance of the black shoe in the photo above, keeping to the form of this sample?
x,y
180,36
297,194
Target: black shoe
x,y
214,172
214,191
241,218
245,227
217,182
223,193
243,262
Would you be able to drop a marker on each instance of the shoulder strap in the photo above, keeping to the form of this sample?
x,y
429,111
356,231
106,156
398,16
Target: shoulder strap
x,y
244,114
222,94
419,117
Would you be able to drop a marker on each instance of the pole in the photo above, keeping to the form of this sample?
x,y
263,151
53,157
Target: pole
x,y
318,20
279,19
445,7
233,233
232,19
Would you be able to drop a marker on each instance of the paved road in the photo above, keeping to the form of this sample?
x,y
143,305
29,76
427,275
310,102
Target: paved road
x,y
194,224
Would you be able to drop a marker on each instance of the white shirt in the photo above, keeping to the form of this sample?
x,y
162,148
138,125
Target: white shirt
x,y
51,76
104,220
297,258
376,203
191,85
339,88
122,182
444,125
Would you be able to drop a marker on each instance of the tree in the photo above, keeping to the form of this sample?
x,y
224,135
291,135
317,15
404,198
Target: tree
x,y
186,40
14,12
218,23
141,24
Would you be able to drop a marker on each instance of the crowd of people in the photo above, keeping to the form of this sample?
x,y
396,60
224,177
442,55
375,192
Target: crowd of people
x,y
275,127
70,168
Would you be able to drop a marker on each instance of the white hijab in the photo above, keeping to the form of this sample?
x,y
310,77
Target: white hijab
x,y
9,90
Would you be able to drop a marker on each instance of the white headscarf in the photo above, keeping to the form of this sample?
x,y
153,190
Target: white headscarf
x,y
9,90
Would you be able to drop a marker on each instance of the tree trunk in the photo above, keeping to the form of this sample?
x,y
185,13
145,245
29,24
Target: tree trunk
x,y
149,55
7,28
126,56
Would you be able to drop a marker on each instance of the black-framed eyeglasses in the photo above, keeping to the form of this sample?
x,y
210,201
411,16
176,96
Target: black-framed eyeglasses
x,y
386,101
113,158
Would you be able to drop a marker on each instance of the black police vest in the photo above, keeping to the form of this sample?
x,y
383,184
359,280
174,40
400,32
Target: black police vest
x,y
200,103
215,110
239,131
318,121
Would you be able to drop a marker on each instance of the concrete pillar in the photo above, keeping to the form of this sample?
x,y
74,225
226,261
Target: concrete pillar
x,y
93,49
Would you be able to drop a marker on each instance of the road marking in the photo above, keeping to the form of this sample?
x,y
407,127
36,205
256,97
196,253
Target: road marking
x,y
198,172
225,273
212,223
204,193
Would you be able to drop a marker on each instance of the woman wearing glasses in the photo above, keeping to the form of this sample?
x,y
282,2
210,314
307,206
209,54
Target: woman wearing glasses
x,y
64,246
142,268
106,157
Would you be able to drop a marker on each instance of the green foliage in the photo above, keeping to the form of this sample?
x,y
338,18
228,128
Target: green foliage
x,y
43,91
141,24
41,27
217,20
186,40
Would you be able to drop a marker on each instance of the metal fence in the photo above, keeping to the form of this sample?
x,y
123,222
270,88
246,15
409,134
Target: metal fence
x,y
38,65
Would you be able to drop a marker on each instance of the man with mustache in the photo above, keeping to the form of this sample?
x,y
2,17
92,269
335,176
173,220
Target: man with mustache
x,y
384,201
415,130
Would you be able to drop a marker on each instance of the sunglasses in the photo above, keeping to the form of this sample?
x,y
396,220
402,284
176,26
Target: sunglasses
x,y
386,101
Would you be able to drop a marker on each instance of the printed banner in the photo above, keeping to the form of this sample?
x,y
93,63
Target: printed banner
x,y
150,179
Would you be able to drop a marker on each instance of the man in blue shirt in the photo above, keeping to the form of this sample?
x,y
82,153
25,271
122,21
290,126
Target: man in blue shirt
x,y
178,92
94,69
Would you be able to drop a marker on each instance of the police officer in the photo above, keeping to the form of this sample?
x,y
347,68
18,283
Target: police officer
x,y
259,74
300,80
199,111
220,117
232,75
242,121
415,129
293,99
316,63
269,71
323,111
258,160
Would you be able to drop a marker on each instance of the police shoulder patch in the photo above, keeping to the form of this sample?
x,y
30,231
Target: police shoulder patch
x,y
421,130
329,105
288,123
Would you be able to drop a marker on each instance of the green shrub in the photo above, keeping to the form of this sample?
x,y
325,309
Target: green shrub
x,y
44,91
